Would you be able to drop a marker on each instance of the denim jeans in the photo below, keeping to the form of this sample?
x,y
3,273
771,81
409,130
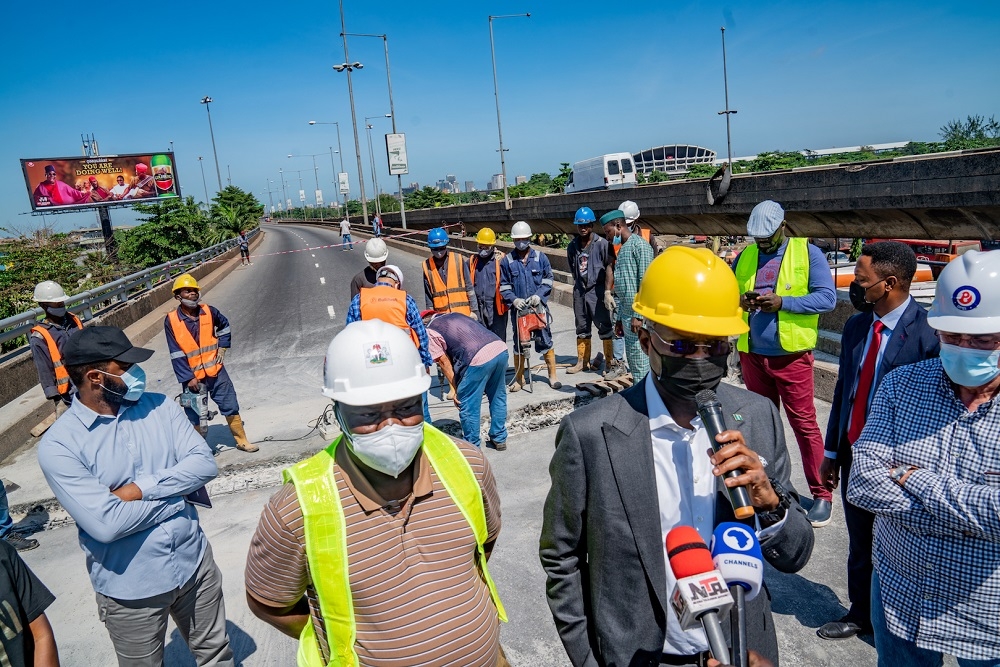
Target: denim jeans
x,y
346,241
491,378
618,348
6,523
894,651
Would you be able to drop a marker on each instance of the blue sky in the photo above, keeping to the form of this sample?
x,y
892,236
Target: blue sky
x,y
577,79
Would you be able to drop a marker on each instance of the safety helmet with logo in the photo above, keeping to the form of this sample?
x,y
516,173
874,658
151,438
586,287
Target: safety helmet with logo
x,y
185,280
392,271
584,216
371,362
967,299
49,291
437,238
630,209
486,236
520,230
692,290
376,250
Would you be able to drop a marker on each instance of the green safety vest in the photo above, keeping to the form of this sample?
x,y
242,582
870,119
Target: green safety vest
x,y
326,540
796,332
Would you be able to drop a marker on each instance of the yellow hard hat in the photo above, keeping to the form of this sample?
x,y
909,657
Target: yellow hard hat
x,y
486,236
692,290
185,280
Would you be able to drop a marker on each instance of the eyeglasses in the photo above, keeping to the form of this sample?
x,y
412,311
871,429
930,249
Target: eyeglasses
x,y
685,347
974,342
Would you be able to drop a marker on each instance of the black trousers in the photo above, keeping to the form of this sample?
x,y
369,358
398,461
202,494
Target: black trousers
x,y
860,533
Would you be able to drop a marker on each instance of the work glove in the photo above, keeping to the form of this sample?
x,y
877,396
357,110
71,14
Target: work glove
x,y
609,301
221,354
474,316
520,304
534,301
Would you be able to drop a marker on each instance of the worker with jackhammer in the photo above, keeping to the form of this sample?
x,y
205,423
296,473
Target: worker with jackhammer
x,y
588,257
198,336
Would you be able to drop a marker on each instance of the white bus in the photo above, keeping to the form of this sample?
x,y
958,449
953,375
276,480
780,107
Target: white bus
x,y
607,172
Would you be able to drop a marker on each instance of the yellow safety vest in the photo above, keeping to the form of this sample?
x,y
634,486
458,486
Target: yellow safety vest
x,y
796,332
326,540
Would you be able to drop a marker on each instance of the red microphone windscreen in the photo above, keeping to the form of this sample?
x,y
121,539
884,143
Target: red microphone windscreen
x,y
688,553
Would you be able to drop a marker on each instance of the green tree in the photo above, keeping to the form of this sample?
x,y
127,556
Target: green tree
x,y
855,252
232,210
702,171
974,129
559,181
171,229
428,197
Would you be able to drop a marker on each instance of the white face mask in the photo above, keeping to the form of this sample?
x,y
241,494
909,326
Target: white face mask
x,y
389,450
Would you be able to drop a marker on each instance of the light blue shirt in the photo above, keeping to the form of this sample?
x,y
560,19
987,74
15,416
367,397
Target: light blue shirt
x,y
145,547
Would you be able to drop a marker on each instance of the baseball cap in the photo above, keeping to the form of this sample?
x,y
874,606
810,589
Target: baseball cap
x,y
102,344
765,218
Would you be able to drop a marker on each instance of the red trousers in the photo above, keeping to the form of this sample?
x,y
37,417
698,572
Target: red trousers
x,y
788,379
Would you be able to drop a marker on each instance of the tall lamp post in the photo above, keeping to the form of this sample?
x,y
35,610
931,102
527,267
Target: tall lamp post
x,y
340,152
302,192
496,94
207,101
201,163
315,168
284,192
349,67
392,114
371,161
727,112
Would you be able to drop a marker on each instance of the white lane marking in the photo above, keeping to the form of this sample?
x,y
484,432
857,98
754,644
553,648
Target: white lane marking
x,y
314,254
331,312
322,281
317,266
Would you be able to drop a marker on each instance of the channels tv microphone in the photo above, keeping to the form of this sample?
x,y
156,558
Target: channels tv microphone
x,y
737,556
710,411
700,595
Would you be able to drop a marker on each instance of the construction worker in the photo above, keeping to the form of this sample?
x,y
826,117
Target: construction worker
x,y
631,263
525,284
447,285
377,253
47,340
616,366
475,361
484,274
374,551
588,260
198,336
785,284
631,211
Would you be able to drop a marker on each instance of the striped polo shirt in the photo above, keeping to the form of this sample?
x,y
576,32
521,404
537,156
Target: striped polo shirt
x,y
419,598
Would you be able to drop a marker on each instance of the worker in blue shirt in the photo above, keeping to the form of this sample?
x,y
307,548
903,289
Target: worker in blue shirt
x,y
128,467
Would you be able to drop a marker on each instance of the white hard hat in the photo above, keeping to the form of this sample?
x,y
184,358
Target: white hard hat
x,y
630,209
376,250
967,300
520,230
372,362
392,270
49,291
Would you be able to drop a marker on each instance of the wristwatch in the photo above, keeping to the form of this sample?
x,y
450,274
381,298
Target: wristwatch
x,y
771,517
897,473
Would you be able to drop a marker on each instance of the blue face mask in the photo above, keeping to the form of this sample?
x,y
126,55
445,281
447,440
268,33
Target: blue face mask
x,y
522,245
617,240
135,383
968,367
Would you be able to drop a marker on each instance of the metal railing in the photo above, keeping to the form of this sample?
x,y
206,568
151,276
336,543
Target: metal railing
x,y
100,299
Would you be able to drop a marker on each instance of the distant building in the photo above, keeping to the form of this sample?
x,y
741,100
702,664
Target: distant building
x,y
520,179
413,187
812,153
496,183
448,184
91,238
673,159
470,186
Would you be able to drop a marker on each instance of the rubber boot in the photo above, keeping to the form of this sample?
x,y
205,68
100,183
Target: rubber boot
x,y
518,381
605,359
242,442
550,361
582,356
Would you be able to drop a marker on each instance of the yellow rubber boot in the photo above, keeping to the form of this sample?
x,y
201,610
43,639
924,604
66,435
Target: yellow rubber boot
x,y
582,356
609,353
550,362
518,374
242,442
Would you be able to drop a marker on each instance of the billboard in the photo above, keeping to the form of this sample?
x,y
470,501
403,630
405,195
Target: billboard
x,y
86,182
395,147
345,186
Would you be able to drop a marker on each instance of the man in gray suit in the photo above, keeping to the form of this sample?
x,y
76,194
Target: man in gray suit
x,y
633,466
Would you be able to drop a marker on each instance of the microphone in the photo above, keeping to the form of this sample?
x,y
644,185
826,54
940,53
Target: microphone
x,y
701,593
710,411
737,556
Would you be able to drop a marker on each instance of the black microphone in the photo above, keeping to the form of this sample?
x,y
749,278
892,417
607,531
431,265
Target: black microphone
x,y
710,411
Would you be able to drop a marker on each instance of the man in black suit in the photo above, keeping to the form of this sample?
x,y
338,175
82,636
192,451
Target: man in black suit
x,y
881,291
631,467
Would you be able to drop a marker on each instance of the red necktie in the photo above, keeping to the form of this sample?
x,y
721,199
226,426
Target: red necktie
x,y
865,380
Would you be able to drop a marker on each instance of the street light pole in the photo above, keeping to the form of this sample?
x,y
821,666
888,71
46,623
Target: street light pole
x,y
336,181
284,192
727,112
371,160
207,101
496,94
354,116
201,163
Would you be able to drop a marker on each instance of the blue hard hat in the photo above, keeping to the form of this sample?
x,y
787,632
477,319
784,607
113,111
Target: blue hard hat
x,y
584,216
437,238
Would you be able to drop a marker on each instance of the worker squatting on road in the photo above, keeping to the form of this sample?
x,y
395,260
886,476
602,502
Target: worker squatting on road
x,y
47,340
526,283
349,584
484,273
377,253
447,285
631,262
198,336
589,257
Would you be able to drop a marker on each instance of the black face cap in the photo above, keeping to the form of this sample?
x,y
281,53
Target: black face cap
x,y
102,344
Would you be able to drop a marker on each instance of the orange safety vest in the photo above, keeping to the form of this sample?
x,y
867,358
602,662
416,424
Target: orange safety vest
x,y
387,304
473,263
202,356
62,377
452,297
646,235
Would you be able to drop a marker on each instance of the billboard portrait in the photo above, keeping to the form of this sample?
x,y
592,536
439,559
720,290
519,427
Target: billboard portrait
x,y
85,182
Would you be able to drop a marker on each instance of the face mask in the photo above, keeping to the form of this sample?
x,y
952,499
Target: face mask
x,y
968,367
56,312
438,254
389,450
191,303
683,378
857,294
522,244
135,383
486,254
617,240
